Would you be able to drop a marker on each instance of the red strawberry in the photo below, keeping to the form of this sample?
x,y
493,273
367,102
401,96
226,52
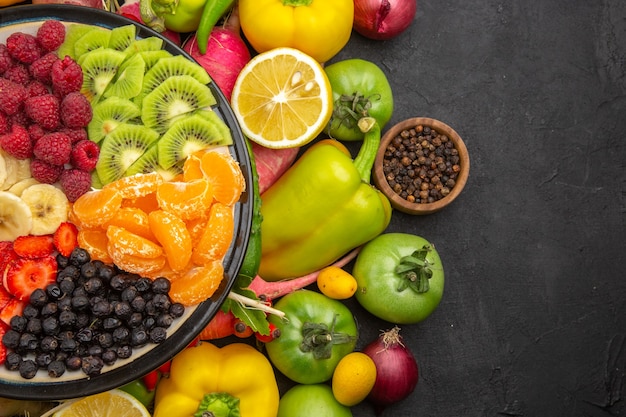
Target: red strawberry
x,y
32,247
5,297
14,307
3,349
26,275
7,255
66,238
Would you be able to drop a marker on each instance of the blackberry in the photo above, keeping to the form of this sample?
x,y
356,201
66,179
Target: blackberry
x,y
79,256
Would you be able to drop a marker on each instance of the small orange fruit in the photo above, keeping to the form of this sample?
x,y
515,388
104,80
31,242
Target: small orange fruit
x,y
186,200
137,265
95,242
133,219
171,232
197,285
96,207
125,242
138,185
217,235
224,174
191,167
146,203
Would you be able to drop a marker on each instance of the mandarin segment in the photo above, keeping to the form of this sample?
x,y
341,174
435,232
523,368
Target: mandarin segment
x,y
186,200
96,207
146,203
197,285
172,234
95,242
191,167
216,237
125,242
138,185
137,265
225,176
133,219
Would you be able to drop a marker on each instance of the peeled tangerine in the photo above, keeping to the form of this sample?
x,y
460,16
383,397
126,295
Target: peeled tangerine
x,y
171,232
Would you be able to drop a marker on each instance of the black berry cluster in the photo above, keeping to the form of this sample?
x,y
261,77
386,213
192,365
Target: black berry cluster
x,y
93,315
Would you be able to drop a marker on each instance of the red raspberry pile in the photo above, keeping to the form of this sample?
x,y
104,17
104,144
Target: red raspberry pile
x,y
43,115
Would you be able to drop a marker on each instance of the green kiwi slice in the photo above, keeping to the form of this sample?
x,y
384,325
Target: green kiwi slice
x,y
176,96
149,162
169,67
73,33
128,79
96,38
122,36
121,148
221,126
99,69
185,136
108,114
152,57
146,44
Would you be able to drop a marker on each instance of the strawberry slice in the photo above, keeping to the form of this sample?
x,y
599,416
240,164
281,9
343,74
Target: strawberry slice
x,y
32,247
26,275
7,255
5,297
66,238
14,307
3,349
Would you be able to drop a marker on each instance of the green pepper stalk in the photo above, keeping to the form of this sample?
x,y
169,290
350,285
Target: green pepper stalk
x,y
212,12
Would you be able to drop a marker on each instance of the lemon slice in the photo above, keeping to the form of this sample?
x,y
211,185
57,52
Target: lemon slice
x,y
113,403
282,98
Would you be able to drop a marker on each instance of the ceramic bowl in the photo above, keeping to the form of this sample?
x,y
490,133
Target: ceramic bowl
x,y
184,329
397,201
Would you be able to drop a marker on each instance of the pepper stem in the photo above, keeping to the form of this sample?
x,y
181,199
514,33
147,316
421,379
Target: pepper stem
x,y
364,160
218,404
415,271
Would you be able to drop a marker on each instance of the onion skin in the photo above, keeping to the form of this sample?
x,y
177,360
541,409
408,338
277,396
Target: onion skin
x,y
396,370
383,19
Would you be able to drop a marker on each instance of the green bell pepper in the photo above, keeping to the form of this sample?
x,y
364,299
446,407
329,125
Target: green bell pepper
x,y
182,16
321,208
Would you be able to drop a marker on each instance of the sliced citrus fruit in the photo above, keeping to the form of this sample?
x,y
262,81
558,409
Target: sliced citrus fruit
x,y
186,200
96,207
198,284
216,236
225,176
125,242
282,98
172,234
109,403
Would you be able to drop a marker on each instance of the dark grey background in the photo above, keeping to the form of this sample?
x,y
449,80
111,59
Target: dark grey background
x,y
533,320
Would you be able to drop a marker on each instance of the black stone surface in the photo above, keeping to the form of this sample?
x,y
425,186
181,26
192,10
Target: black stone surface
x,y
533,320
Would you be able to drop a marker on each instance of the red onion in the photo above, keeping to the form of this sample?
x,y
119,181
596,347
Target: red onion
x,y
383,19
396,369
226,53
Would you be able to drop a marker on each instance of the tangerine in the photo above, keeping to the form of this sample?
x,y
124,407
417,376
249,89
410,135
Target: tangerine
x,y
147,203
217,235
171,232
138,185
95,242
224,174
125,242
135,264
198,284
96,207
134,220
186,200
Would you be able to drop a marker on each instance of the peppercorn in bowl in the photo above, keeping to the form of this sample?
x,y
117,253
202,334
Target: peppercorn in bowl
x,y
422,165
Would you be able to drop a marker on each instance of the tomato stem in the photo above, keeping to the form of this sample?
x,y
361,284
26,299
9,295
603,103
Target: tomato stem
x,y
318,339
415,271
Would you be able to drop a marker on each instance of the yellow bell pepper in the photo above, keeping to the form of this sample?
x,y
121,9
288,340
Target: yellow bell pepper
x,y
236,380
319,28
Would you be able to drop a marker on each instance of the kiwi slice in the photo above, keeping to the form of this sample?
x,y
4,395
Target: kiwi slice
x,y
121,148
99,69
73,33
128,79
222,127
169,67
152,57
185,136
96,182
108,114
176,96
149,162
122,36
96,38
146,44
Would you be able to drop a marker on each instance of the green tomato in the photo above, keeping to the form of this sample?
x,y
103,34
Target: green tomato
x,y
316,333
400,278
186,17
315,400
360,89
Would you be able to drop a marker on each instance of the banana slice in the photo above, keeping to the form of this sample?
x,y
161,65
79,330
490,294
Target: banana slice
x,y
19,187
3,171
23,169
49,207
15,217
11,166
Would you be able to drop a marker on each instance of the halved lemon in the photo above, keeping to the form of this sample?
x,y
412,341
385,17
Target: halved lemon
x,y
113,403
282,98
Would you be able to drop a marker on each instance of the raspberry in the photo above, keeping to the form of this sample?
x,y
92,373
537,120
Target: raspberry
x,y
36,88
84,155
18,74
6,60
42,68
44,110
17,142
76,135
12,96
51,35
23,47
36,132
54,148
75,110
20,118
67,76
75,183
44,172
5,124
